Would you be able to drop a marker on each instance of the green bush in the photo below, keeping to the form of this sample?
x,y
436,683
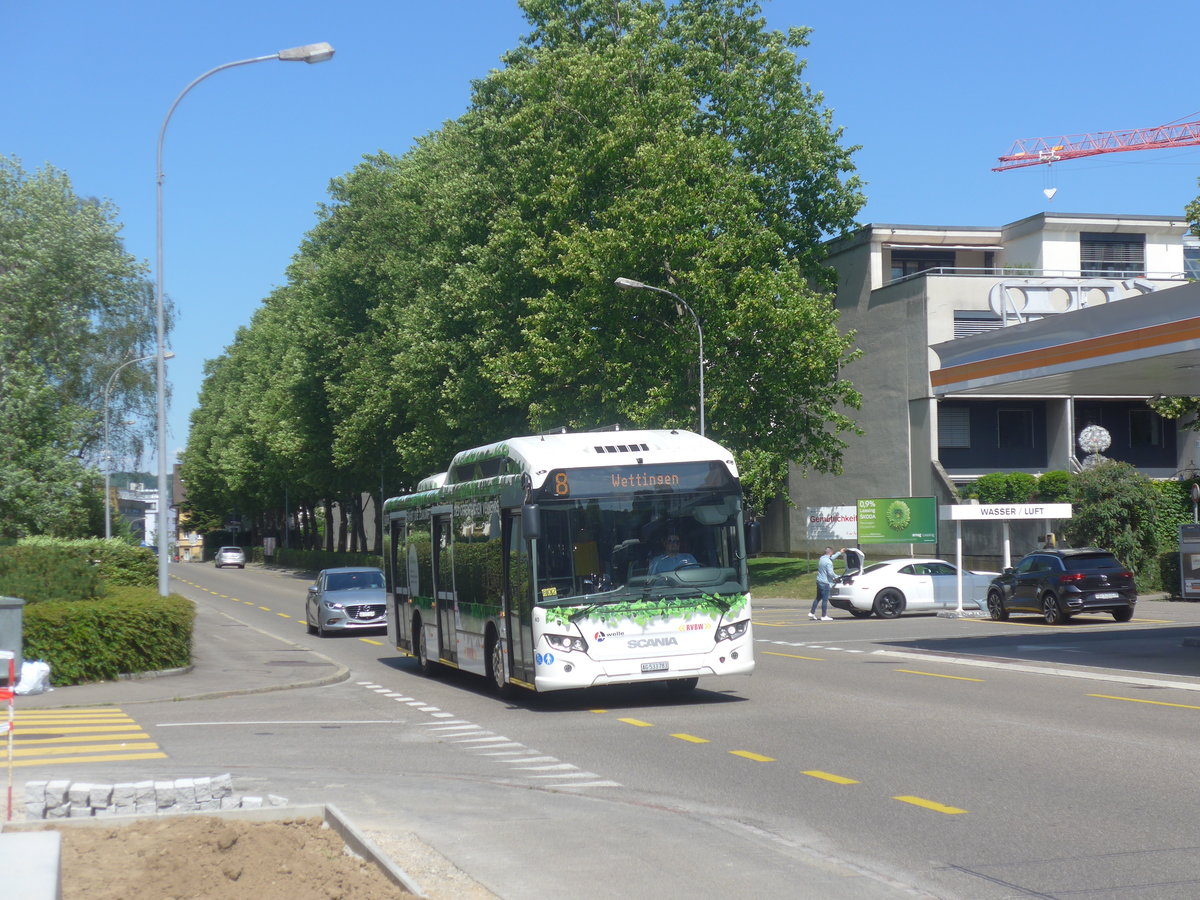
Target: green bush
x,y
1116,508
1054,487
118,562
1021,487
130,630
991,488
47,571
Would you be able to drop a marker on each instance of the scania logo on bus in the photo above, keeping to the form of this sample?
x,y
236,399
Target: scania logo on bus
x,y
653,642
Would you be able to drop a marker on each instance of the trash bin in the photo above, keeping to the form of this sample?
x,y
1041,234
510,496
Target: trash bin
x,y
11,625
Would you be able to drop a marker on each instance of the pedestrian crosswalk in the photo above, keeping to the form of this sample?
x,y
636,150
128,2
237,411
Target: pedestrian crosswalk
x,y
44,737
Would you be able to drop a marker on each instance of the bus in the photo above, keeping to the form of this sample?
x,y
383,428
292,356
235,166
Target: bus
x,y
542,562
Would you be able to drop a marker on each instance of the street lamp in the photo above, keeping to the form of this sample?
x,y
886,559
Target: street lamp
x,y
107,456
309,53
630,285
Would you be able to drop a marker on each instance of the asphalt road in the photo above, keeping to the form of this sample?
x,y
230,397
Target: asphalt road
x,y
923,756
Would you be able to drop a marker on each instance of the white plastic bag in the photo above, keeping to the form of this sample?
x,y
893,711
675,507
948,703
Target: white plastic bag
x,y
35,678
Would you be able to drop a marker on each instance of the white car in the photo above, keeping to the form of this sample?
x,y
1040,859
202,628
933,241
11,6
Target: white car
x,y
890,588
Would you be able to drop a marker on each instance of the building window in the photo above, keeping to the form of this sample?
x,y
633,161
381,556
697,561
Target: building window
x,y
954,427
1014,429
1145,428
1191,257
910,262
968,322
1112,255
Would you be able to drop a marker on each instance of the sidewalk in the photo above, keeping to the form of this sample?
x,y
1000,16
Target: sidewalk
x,y
229,657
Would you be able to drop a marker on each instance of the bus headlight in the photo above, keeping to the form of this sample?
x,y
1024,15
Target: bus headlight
x,y
564,642
732,631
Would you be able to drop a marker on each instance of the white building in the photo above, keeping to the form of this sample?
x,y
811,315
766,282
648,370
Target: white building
x,y
990,349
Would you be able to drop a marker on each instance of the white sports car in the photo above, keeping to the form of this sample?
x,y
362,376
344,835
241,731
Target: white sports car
x,y
890,588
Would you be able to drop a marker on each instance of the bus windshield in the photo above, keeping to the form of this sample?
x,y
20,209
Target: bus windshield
x,y
651,545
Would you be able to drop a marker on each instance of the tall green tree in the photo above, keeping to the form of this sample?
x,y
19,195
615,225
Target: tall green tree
x,y
464,291
74,305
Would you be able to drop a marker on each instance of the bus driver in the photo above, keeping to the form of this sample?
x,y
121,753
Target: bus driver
x,y
671,558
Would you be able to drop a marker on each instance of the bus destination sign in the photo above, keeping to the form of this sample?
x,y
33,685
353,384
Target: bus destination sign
x,y
629,480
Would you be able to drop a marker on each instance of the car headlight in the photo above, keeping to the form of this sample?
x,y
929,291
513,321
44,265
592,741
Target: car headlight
x,y
333,604
732,631
564,642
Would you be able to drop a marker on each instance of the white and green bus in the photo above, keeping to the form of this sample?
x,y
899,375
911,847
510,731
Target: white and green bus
x,y
544,562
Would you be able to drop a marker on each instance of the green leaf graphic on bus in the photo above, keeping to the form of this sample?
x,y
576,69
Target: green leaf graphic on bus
x,y
645,612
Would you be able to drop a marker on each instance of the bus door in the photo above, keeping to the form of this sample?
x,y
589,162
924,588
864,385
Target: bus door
x,y
399,625
518,598
443,574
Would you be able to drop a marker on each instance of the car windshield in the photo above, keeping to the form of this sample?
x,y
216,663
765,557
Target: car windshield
x,y
353,581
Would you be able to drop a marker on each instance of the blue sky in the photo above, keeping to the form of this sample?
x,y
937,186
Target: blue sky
x,y
932,90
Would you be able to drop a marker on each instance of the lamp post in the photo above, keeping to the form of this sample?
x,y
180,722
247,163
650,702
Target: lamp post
x,y
630,285
309,53
107,456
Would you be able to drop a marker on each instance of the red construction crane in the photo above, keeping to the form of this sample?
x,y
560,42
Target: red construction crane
x,y
1036,151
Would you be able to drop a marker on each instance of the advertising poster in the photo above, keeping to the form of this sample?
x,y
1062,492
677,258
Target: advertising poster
x,y
831,523
897,520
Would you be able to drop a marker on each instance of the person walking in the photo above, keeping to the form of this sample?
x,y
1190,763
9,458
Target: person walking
x,y
825,579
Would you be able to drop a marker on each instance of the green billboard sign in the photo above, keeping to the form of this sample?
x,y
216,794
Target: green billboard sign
x,y
897,520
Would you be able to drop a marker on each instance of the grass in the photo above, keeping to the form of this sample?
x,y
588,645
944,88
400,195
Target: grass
x,y
783,577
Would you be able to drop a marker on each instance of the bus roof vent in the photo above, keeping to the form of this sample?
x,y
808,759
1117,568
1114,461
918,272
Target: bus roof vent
x,y
622,448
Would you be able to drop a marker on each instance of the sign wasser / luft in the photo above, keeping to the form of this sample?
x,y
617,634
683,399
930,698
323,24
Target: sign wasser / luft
x,y
897,520
1001,512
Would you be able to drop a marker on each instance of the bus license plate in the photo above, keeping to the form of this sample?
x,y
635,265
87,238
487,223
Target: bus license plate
x,y
654,667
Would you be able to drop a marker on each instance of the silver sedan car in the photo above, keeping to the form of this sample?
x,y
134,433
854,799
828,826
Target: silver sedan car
x,y
346,599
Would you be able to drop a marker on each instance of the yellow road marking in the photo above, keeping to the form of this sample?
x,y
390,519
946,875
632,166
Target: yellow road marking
x,y
90,748
929,804
370,641
936,675
284,615
599,710
836,779
80,738
1139,700
754,756
638,722
791,655
74,729
265,608
71,760
691,738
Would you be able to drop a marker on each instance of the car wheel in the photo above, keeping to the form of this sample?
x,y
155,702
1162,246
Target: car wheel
x,y
309,626
423,660
995,606
860,613
495,658
889,603
1122,615
321,632
1051,611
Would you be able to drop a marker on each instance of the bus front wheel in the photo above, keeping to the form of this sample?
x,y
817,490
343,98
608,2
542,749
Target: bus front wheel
x,y
423,660
495,664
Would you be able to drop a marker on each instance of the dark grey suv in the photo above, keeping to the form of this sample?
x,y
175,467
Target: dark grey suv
x,y
1057,584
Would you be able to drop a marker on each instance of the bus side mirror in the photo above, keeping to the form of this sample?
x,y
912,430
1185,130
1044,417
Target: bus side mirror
x,y
753,538
531,521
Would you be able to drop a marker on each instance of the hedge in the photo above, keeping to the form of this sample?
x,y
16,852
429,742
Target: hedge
x,y
130,630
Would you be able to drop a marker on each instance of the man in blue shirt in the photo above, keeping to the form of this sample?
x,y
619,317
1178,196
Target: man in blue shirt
x,y
825,580
671,557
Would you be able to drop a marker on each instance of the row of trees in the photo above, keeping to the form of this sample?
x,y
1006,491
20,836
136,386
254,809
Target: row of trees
x,y
74,306
463,292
